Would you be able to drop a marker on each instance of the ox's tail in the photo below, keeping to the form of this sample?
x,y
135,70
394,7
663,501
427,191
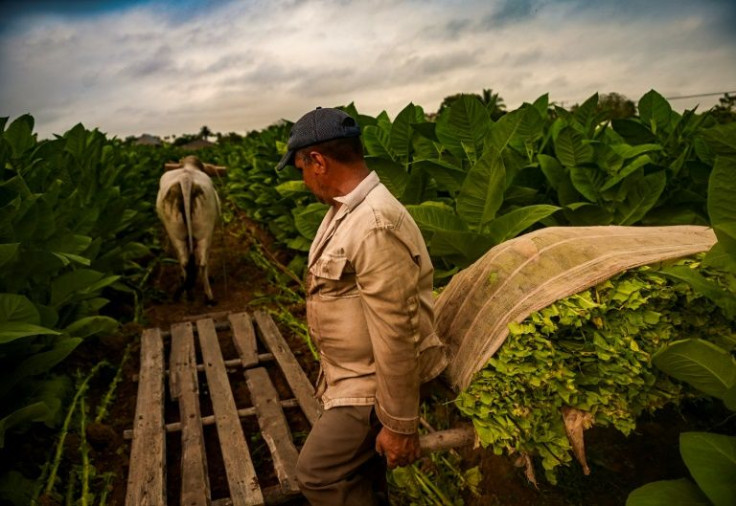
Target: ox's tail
x,y
186,192
185,184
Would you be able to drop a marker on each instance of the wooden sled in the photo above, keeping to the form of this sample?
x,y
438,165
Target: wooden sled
x,y
260,348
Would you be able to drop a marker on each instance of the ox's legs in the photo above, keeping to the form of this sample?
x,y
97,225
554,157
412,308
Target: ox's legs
x,y
209,298
201,254
182,255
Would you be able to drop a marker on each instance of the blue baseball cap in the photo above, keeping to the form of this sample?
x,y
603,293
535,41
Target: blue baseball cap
x,y
319,125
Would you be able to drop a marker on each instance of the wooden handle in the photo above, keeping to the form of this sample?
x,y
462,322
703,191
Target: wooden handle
x,y
209,169
447,439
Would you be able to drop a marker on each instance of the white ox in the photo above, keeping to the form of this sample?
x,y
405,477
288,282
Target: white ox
x,y
188,206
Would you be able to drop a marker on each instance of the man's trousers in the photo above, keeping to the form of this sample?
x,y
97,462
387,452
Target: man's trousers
x,y
338,464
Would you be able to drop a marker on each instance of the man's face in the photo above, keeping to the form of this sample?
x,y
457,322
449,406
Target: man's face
x,y
306,165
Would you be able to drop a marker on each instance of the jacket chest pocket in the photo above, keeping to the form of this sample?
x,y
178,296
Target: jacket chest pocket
x,y
333,276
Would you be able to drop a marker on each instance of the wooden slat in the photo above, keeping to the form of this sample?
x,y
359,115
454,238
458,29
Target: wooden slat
x,y
195,486
244,337
210,420
147,472
295,376
274,427
233,362
241,476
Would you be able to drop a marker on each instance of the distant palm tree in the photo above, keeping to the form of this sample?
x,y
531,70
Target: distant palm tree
x,y
492,101
205,132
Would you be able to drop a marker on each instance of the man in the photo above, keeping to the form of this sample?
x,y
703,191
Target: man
x,y
370,312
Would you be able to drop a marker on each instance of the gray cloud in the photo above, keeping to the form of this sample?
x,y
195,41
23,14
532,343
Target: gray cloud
x,y
237,66
511,11
158,62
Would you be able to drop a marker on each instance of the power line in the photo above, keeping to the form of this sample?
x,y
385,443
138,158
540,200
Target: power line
x,y
700,95
563,102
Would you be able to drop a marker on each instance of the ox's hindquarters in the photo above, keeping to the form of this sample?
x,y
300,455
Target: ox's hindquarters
x,y
172,214
204,217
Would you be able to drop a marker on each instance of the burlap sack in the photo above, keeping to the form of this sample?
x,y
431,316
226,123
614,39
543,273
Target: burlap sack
x,y
532,271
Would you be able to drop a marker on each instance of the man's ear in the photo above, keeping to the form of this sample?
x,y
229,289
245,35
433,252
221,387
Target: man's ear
x,y
319,162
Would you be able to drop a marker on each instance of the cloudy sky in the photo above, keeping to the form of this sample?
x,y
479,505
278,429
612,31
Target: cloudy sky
x,y
168,67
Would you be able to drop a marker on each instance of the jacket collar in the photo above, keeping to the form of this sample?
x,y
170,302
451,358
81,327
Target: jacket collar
x,y
333,217
359,193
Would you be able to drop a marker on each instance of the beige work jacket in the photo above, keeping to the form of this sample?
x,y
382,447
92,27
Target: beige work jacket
x,y
370,307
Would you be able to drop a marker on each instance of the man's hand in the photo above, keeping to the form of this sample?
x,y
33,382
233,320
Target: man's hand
x,y
399,449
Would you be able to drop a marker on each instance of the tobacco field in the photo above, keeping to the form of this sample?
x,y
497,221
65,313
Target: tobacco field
x,y
84,262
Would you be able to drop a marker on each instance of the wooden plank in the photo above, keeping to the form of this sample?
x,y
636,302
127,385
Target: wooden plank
x,y
210,420
147,471
217,315
295,376
233,362
273,495
220,325
195,486
244,337
274,427
241,476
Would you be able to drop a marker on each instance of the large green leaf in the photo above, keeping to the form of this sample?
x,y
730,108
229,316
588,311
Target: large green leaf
x,y
402,131
626,171
50,392
700,363
541,104
633,131
587,112
463,248
292,189
426,129
30,413
711,460
721,139
481,194
377,142
655,110
448,176
587,181
78,285
417,188
10,331
642,193
626,151
555,173
16,488
38,363
515,222
392,174
91,325
19,135
7,252
572,149
585,214
668,493
524,123
17,308
729,398
433,216
307,219
721,202
462,128
719,258
721,297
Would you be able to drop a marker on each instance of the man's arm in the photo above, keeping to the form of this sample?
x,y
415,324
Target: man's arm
x,y
399,449
388,277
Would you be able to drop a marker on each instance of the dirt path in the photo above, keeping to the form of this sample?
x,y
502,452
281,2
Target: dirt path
x,y
236,283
